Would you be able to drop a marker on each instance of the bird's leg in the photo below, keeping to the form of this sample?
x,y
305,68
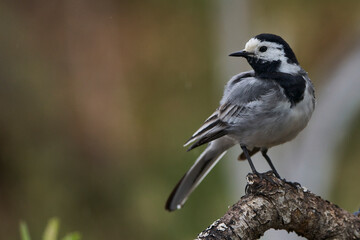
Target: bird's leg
x,y
260,175
247,155
264,153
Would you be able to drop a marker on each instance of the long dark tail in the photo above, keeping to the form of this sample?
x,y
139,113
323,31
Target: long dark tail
x,y
205,162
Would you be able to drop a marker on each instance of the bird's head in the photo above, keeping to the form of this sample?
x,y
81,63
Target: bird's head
x,y
269,53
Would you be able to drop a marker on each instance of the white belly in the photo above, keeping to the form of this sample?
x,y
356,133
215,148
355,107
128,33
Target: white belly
x,y
278,128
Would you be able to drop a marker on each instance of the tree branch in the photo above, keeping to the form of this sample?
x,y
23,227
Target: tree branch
x,y
273,203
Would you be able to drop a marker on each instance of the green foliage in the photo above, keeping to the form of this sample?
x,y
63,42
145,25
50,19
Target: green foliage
x,y
72,236
24,232
51,229
50,233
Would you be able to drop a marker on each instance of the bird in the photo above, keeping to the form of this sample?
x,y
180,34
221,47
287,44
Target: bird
x,y
260,108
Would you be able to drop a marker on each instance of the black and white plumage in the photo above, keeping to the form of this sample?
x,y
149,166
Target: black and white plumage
x,y
259,109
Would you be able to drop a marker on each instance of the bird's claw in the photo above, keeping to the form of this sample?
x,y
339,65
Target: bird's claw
x,y
266,176
293,184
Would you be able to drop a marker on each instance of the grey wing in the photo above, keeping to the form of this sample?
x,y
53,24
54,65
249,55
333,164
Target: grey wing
x,y
245,98
214,127
251,98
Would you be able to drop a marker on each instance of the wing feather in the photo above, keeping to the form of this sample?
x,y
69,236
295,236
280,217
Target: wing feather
x,y
245,98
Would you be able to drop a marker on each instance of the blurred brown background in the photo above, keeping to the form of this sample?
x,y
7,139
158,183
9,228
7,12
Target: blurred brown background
x,y
98,97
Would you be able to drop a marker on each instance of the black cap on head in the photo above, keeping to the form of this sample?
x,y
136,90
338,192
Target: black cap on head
x,y
277,39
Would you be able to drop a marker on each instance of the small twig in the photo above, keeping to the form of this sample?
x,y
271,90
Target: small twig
x,y
273,203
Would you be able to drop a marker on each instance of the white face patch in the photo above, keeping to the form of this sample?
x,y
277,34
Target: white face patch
x,y
252,44
274,52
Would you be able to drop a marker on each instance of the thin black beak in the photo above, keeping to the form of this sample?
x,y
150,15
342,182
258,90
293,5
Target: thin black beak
x,y
242,53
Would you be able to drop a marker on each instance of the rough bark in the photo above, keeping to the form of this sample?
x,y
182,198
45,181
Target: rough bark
x,y
273,203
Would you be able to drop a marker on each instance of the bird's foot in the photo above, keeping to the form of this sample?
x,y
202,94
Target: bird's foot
x,y
268,176
256,181
293,184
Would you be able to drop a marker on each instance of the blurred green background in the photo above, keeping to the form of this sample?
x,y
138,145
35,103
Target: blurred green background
x,y
98,97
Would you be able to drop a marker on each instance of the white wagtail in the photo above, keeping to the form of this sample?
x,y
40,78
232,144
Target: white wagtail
x,y
259,109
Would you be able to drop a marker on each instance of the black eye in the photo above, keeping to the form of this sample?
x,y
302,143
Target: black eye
x,y
263,49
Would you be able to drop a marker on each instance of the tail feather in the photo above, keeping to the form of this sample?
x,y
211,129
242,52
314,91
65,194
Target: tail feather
x,y
211,122
208,138
205,162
